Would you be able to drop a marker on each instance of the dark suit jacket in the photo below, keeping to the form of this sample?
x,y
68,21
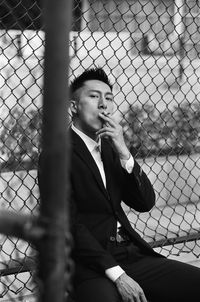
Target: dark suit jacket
x,y
96,210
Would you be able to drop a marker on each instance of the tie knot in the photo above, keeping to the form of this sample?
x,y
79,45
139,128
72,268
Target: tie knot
x,y
98,148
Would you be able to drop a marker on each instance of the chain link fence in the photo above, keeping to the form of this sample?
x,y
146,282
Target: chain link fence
x,y
150,49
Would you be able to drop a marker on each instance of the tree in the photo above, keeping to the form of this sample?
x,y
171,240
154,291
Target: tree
x,y
20,139
149,133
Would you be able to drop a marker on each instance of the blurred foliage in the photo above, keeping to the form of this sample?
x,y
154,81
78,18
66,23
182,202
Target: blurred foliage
x,y
151,133
19,139
147,133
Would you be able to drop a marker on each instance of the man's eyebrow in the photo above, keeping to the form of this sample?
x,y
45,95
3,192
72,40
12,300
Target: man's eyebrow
x,y
98,91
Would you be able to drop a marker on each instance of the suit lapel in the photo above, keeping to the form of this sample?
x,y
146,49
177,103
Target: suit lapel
x,y
82,151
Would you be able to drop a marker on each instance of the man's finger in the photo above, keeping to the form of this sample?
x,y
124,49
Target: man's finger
x,y
142,297
137,299
107,118
105,128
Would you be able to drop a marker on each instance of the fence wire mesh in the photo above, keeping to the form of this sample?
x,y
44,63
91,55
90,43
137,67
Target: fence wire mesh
x,y
150,49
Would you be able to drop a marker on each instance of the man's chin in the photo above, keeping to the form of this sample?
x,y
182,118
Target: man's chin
x,y
95,127
98,126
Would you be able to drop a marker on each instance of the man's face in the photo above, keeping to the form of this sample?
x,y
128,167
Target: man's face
x,y
93,98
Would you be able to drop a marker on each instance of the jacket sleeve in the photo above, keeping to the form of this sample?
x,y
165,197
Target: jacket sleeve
x,y
88,250
138,192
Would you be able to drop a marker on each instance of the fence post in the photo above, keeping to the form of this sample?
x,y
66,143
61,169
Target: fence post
x,y
55,145
179,32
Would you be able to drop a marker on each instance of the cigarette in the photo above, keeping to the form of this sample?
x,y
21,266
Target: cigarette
x,y
106,113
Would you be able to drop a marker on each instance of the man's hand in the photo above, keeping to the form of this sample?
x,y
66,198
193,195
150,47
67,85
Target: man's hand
x,y
114,132
130,289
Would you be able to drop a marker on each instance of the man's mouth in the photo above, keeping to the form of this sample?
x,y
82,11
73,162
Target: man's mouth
x,y
105,113
104,123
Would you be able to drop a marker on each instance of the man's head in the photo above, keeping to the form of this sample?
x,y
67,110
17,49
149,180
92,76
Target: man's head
x,y
89,74
91,94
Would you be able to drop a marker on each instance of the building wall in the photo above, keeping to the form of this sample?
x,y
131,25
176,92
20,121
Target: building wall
x,y
133,16
162,22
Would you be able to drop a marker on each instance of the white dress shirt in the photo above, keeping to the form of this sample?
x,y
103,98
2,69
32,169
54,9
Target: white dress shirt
x,y
94,148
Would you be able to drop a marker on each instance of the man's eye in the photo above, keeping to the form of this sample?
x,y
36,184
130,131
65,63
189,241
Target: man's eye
x,y
109,99
94,96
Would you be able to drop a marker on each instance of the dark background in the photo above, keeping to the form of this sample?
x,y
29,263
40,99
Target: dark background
x,y
27,14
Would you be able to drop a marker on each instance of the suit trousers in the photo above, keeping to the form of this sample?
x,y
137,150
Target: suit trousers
x,y
161,279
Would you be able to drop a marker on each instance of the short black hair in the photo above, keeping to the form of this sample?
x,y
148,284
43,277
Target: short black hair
x,y
89,74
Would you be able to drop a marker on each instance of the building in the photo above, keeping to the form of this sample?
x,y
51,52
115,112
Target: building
x,y
135,16
163,19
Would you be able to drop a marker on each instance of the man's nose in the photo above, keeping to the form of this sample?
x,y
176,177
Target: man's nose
x,y
103,103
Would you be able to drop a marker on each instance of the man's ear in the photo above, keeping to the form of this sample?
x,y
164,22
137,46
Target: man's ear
x,y
73,107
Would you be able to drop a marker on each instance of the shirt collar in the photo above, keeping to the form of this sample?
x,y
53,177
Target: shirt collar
x,y
90,143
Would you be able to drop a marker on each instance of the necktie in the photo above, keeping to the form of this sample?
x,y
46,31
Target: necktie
x,y
96,153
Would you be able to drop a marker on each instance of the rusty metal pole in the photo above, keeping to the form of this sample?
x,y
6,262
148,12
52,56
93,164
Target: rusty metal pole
x,y
55,145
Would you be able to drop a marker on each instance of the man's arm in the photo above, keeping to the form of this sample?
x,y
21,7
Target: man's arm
x,y
97,258
142,197
138,192
89,251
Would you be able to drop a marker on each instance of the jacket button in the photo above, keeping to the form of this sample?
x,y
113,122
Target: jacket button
x,y
112,238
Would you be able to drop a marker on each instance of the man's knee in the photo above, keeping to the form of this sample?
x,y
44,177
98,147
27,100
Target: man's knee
x,y
98,290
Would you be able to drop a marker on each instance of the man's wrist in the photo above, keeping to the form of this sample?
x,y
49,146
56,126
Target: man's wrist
x,y
128,164
125,155
114,273
120,277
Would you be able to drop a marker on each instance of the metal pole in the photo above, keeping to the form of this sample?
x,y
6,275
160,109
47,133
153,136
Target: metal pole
x,y
178,17
179,32
55,145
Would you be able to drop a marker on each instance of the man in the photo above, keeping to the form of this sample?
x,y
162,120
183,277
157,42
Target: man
x,y
112,262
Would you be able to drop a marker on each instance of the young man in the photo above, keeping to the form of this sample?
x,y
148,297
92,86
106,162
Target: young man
x,y
112,262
